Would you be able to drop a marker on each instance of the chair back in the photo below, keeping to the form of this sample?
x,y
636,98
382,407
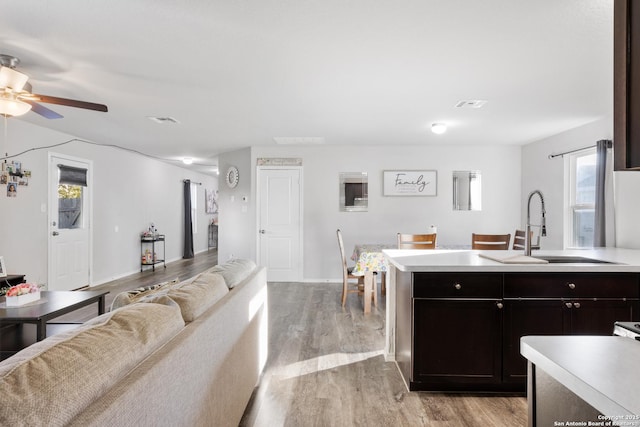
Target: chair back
x,y
519,240
490,241
416,241
345,273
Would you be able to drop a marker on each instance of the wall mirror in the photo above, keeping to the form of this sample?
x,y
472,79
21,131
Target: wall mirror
x,y
354,192
467,191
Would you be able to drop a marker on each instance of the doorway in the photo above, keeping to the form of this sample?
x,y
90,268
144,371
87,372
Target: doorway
x,y
70,207
280,222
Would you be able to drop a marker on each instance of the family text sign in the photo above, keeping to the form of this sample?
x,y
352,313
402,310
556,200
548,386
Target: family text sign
x,y
410,183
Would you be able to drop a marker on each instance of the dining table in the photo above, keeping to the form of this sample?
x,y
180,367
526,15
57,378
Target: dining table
x,y
370,260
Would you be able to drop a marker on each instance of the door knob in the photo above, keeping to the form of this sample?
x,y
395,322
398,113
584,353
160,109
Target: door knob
x,y
499,305
572,285
55,233
457,286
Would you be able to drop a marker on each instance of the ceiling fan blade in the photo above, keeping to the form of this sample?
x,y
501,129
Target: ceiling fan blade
x,y
42,110
70,103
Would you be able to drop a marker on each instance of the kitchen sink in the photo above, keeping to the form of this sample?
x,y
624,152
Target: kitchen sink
x,y
569,259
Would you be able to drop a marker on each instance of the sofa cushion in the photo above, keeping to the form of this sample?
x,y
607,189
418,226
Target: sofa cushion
x,y
52,381
195,296
234,271
129,297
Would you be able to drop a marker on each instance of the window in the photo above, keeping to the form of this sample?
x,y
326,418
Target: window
x,y
194,208
582,198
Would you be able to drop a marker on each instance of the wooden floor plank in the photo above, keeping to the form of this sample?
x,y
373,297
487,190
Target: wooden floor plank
x,y
326,368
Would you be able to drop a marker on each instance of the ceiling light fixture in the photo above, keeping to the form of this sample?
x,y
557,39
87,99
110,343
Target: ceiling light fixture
x,y
187,160
438,128
13,107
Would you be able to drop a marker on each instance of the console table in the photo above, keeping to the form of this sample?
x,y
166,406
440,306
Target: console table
x,y
11,280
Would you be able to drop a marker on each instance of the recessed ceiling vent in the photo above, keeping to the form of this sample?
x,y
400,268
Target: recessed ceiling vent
x,y
163,120
471,103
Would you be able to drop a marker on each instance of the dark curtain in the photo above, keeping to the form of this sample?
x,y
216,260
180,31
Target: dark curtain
x,y
600,225
188,227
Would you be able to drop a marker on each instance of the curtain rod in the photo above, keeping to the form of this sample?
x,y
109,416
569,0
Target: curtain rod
x,y
551,156
193,182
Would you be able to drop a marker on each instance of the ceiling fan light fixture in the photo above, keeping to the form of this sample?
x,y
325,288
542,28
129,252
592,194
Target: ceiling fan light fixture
x,y
438,128
13,107
10,78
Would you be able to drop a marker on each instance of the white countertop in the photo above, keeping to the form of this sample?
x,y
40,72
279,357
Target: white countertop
x,y
601,370
412,260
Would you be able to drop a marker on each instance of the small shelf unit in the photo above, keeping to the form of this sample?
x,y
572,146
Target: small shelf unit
x,y
149,253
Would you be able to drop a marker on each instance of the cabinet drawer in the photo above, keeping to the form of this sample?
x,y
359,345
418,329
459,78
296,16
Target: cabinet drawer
x,y
455,285
571,285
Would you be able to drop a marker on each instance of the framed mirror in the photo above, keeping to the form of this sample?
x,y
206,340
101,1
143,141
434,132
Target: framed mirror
x,y
354,192
467,191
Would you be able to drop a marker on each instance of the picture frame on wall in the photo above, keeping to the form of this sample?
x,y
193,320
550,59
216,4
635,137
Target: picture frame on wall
x,y
410,183
3,268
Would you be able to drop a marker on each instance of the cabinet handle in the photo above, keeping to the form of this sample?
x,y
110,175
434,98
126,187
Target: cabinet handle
x,y
499,305
457,286
576,305
568,304
572,285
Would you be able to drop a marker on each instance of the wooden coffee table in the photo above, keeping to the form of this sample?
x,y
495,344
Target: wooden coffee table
x,y
51,304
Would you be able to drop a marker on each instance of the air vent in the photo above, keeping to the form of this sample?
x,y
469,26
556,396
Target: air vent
x,y
471,103
298,140
163,120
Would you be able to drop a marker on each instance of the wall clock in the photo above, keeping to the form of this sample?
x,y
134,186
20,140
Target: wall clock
x,y
232,176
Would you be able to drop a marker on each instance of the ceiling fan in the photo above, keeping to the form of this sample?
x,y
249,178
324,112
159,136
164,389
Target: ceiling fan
x,y
16,97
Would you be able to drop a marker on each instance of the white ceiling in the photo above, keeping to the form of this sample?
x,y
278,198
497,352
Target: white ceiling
x,y
237,73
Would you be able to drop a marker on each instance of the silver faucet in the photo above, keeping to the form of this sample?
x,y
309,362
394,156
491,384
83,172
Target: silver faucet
x,y
543,226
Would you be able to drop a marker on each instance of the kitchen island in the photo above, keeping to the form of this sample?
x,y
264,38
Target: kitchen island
x,y
455,318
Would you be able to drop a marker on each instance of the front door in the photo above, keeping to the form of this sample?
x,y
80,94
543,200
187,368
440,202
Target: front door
x,y
69,222
280,223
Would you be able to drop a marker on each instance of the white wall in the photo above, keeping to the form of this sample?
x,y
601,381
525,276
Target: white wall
x,y
236,221
130,191
627,195
548,175
500,167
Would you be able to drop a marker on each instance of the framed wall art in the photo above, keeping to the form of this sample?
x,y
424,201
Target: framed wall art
x,y
3,268
410,183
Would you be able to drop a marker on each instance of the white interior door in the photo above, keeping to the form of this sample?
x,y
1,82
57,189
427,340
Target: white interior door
x,y
280,223
69,223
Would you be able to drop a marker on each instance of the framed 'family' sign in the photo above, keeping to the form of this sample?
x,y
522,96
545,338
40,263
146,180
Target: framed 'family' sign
x,y
410,183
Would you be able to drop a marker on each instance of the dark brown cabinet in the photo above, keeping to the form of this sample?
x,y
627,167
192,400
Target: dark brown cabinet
x,y
463,331
626,47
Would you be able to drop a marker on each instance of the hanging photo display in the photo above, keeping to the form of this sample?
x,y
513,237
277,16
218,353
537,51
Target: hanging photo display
x,y
12,176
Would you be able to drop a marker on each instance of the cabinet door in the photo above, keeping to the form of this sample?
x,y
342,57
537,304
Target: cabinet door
x,y
590,317
456,344
529,317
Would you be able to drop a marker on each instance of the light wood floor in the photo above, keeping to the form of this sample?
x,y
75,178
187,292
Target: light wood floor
x,y
326,368
325,365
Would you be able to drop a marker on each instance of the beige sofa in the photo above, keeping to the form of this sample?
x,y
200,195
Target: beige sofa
x,y
188,354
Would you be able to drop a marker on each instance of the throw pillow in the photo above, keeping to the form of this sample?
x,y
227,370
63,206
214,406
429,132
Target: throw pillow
x,y
129,297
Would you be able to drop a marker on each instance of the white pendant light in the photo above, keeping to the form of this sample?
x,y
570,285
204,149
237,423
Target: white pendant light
x,y
438,128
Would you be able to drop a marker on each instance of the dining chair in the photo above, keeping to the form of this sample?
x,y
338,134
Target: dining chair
x,y
416,241
490,241
347,286
519,240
